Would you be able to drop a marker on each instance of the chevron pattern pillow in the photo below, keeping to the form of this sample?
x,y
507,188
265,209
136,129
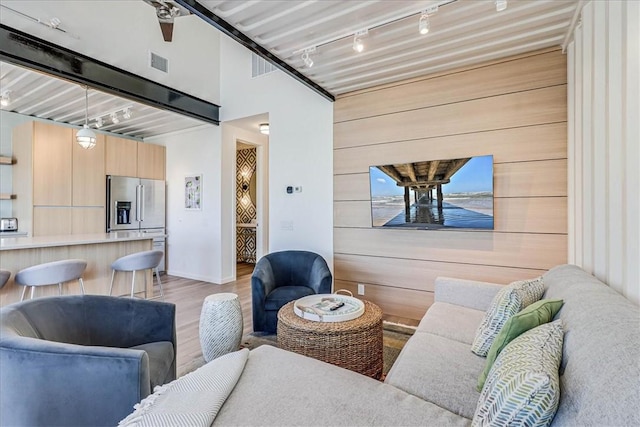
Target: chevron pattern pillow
x,y
507,302
523,386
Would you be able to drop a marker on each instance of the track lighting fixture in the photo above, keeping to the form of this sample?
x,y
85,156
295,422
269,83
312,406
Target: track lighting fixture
x,y
423,24
85,136
126,113
308,62
99,123
501,5
5,99
114,118
358,44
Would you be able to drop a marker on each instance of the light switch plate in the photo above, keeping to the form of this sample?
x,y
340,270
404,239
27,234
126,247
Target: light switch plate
x,y
360,289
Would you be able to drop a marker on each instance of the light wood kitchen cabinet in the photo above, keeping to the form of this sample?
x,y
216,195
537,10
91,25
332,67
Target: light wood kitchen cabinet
x,y
151,161
121,156
52,221
88,220
89,183
52,164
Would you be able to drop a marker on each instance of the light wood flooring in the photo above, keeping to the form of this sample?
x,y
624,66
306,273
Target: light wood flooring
x,y
188,295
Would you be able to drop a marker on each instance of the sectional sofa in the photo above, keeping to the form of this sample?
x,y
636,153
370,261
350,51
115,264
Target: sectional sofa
x,y
433,382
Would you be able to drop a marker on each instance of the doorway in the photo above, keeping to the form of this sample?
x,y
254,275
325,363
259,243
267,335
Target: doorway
x,y
246,203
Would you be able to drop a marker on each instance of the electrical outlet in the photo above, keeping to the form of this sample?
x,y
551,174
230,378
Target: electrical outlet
x,y
360,289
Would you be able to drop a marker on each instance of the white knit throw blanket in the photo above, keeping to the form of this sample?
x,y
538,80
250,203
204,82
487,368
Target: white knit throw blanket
x,y
192,400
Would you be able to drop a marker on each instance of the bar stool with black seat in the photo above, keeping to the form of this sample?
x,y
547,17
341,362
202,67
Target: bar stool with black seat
x,y
4,277
51,273
146,260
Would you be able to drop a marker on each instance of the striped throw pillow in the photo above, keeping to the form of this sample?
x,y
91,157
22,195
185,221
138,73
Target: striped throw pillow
x,y
523,386
507,302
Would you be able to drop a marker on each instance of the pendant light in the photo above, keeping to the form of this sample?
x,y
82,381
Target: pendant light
x,y
85,136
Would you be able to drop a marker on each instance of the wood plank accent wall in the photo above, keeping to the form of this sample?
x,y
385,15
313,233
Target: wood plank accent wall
x,y
514,109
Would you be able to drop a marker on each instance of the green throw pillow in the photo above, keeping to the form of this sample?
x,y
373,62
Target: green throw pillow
x,y
534,315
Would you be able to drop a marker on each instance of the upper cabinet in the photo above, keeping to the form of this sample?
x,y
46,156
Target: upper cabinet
x,y
88,180
51,164
122,156
151,161
126,157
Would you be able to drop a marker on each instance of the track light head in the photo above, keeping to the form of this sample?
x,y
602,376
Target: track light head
x,y
126,113
5,98
424,24
114,118
501,5
358,44
306,58
99,122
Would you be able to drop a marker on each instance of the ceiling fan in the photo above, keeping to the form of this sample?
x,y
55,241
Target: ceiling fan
x,y
166,11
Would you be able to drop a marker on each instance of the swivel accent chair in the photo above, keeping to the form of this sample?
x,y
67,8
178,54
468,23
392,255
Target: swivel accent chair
x,y
281,277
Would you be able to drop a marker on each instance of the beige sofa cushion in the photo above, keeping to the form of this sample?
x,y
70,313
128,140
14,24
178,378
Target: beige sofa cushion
x,y
451,321
440,370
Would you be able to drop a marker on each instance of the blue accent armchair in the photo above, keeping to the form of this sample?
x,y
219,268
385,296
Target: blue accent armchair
x,y
82,360
281,277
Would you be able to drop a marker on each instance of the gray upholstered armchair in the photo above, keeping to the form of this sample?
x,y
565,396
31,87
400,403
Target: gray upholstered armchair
x,y
281,277
82,360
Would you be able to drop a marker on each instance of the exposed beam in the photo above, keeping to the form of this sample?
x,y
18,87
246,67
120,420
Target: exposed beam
x,y
211,18
28,51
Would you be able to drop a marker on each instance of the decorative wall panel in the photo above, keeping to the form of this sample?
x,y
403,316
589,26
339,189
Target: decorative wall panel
x,y
245,207
514,109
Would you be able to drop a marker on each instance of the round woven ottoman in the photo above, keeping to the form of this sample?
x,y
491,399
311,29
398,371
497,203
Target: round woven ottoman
x,y
355,344
220,325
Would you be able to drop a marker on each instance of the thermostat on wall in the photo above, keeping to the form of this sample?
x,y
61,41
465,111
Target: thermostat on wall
x,y
289,190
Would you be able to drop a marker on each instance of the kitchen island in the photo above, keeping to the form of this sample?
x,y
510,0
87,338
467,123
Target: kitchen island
x,y
99,250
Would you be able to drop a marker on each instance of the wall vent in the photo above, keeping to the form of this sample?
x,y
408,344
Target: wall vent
x,y
260,66
158,62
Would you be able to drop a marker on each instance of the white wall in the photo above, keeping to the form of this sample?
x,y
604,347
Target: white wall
x,y
7,122
604,146
122,32
193,243
300,149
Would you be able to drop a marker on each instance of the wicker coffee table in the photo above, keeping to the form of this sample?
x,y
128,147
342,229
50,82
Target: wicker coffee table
x,y
355,344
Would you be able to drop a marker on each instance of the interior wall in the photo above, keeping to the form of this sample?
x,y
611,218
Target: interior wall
x,y
604,148
300,150
194,236
8,121
514,109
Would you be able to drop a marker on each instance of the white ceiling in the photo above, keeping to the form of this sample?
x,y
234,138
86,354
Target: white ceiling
x,y
463,32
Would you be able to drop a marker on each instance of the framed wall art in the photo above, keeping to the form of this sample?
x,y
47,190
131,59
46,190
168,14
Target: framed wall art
x,y
193,192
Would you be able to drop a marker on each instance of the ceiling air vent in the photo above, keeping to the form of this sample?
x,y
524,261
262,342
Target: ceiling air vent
x,y
260,66
158,62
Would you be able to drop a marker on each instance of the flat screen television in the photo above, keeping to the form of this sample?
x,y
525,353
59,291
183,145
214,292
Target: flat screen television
x,y
433,194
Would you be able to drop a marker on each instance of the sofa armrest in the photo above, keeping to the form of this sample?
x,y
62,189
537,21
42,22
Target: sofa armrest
x,y
466,293
95,385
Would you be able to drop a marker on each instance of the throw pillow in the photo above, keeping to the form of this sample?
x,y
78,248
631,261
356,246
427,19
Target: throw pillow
x,y
536,314
523,387
507,302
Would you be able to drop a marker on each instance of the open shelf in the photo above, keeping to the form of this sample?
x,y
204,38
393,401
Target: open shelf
x,y
6,160
6,196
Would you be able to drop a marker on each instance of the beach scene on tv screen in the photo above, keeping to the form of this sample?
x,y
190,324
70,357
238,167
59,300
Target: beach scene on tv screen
x,y
434,194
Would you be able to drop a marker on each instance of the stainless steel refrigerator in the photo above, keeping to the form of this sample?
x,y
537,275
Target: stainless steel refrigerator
x,y
136,204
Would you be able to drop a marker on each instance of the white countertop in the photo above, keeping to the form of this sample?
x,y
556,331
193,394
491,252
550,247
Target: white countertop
x,y
9,243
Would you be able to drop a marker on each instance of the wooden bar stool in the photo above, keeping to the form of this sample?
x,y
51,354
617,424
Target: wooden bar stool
x,y
51,273
146,260
4,277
